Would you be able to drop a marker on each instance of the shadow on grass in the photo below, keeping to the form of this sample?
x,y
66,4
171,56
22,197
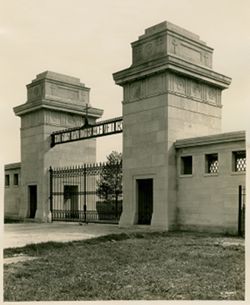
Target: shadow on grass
x,y
129,266
40,249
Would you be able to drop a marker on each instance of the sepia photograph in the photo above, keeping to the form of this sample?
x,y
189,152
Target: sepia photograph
x,y
125,135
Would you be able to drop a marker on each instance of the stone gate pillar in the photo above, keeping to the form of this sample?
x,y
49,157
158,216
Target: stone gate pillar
x,y
169,92
54,102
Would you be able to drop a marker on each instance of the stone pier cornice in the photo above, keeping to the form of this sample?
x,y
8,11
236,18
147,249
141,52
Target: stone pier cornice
x,y
174,64
212,139
56,106
58,92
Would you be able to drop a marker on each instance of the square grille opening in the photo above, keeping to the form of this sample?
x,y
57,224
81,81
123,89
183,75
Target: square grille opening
x,y
212,164
239,161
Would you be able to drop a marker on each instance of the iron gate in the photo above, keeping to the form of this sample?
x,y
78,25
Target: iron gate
x,y
241,210
86,193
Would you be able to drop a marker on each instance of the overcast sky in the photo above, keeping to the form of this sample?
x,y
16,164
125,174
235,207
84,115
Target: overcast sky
x,y
91,40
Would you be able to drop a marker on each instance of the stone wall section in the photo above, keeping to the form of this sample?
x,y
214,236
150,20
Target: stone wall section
x,y
209,201
170,92
144,122
55,102
12,195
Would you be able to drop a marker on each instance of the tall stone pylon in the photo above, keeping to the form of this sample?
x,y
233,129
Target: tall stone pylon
x,y
170,92
54,102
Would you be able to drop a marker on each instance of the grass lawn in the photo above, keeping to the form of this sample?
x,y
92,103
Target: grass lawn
x,y
133,266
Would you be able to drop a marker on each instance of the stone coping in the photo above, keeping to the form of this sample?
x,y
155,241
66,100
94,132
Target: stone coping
x,y
212,139
175,64
16,165
57,106
168,26
58,77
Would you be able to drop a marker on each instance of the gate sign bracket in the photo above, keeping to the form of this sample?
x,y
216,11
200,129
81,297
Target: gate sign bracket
x,y
99,129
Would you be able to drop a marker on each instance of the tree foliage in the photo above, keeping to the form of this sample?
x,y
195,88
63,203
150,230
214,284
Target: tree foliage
x,y
109,186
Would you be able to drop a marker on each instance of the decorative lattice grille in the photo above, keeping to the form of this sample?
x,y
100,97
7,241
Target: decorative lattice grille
x,y
240,161
212,164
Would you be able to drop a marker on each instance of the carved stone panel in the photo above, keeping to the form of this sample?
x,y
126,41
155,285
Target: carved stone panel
x,y
35,92
189,51
64,93
84,96
53,118
196,90
148,50
206,59
135,90
126,93
174,46
32,119
180,85
211,95
193,89
74,120
155,85
137,54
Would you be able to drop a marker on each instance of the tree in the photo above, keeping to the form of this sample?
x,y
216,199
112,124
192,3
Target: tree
x,y
109,186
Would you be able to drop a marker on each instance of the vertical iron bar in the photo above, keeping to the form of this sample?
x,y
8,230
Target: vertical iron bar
x,y
239,209
116,205
85,193
51,191
243,209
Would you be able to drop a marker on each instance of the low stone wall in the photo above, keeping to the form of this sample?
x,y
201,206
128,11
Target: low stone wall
x,y
207,197
12,190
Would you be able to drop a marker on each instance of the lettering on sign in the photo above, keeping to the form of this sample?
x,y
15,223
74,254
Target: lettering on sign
x,y
100,129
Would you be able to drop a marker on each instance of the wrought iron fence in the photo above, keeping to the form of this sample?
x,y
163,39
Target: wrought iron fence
x,y
86,193
241,210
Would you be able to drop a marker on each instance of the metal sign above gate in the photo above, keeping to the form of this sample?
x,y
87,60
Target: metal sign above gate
x,y
100,129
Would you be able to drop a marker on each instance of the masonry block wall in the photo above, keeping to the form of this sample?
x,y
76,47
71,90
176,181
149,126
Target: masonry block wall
x,y
54,102
207,198
170,92
12,189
